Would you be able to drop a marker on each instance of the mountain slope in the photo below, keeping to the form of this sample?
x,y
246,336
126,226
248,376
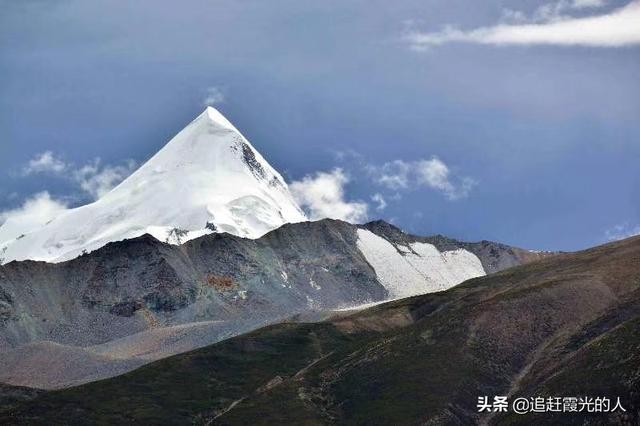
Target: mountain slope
x,y
534,330
139,300
208,178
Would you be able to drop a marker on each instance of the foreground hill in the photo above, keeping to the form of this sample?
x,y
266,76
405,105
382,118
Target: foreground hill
x,y
136,301
567,325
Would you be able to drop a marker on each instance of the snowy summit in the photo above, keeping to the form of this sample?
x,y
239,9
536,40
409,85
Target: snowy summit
x,y
208,178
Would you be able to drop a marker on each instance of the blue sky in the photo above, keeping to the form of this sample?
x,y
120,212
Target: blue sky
x,y
478,120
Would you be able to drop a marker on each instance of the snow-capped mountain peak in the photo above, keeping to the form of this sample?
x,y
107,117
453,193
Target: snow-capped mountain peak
x,y
208,178
217,118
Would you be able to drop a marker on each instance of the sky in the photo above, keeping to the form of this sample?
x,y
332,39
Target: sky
x,y
513,121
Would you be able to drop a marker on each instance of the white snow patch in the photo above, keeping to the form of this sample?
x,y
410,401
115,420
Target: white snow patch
x,y
425,271
313,284
360,306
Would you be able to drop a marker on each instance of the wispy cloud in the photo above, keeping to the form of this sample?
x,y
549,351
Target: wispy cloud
x,y
622,231
582,4
393,174
93,178
213,96
554,11
322,195
435,174
549,26
379,200
432,173
97,180
46,162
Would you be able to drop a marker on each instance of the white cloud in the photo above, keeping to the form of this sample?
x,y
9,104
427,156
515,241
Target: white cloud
x,y
97,180
46,162
549,12
549,26
93,178
432,173
582,4
393,175
322,196
379,199
622,231
348,155
214,96
435,174
34,212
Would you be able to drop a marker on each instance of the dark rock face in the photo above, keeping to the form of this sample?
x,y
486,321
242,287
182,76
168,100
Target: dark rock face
x,y
295,268
125,309
136,271
6,306
140,284
568,325
252,162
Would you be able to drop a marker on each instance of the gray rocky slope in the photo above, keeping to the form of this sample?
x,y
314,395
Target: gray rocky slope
x,y
135,301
